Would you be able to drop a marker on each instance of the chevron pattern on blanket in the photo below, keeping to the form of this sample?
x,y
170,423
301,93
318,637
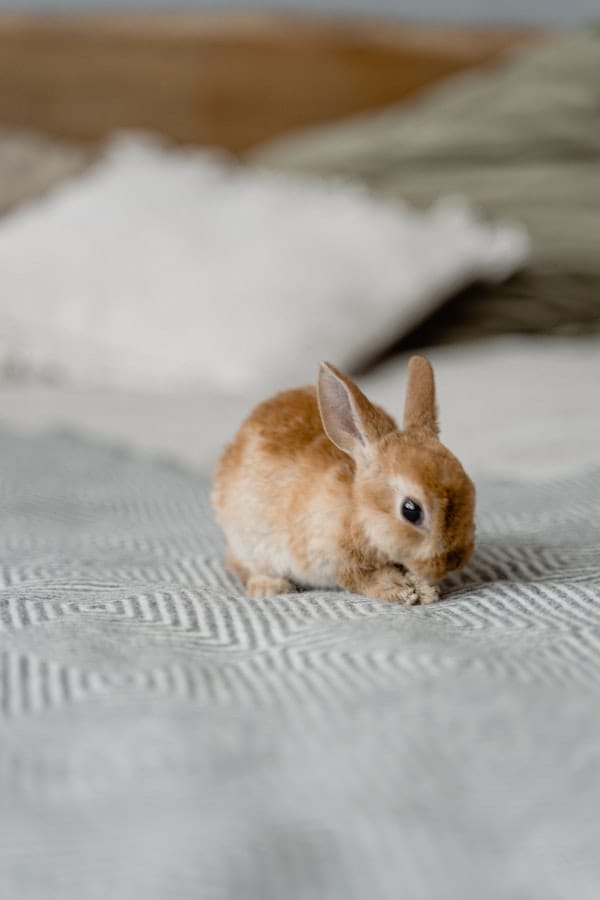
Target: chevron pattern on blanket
x,y
162,736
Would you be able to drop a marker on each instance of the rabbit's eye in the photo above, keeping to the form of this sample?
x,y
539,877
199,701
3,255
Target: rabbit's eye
x,y
411,511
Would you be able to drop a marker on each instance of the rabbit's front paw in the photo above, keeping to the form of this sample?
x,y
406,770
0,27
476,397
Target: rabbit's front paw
x,y
427,593
394,585
391,584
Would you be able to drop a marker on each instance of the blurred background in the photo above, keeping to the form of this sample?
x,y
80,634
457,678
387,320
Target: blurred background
x,y
533,11
199,205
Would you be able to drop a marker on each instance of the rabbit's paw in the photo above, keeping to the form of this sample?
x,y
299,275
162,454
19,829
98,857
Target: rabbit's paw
x,y
395,585
427,593
261,586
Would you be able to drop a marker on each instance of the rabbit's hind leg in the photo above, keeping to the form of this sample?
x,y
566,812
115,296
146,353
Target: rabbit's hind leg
x,y
261,586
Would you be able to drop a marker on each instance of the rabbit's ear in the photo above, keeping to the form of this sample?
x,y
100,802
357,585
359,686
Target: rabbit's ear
x,y
349,419
420,410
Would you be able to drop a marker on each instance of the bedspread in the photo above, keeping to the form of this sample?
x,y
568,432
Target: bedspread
x,y
163,737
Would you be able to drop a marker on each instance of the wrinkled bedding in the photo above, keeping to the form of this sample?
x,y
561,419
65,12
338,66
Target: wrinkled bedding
x,y
521,139
162,736
512,407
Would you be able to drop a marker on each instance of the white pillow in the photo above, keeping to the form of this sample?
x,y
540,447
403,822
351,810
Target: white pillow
x,y
162,268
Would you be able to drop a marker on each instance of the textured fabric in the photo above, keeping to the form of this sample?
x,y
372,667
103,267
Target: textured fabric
x,y
523,140
161,736
230,292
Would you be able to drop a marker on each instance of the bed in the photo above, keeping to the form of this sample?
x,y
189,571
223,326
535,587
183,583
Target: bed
x,y
163,736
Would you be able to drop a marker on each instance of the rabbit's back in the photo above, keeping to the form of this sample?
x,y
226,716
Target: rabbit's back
x,y
282,489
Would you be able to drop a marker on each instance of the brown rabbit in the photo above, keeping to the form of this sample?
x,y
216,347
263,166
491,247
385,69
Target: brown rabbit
x,y
320,488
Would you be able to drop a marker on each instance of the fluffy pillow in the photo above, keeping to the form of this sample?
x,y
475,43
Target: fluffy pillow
x,y
164,267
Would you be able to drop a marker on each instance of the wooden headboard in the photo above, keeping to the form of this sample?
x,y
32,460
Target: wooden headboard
x,y
218,79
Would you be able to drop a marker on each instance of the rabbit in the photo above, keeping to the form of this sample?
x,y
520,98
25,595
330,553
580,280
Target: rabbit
x,y
320,488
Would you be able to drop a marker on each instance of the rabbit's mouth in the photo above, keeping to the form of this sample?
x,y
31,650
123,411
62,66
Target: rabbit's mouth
x,y
436,567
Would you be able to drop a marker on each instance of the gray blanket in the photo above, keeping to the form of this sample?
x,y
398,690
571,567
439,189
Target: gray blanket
x,y
162,737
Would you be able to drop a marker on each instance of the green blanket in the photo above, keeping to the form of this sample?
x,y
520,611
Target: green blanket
x,y
522,140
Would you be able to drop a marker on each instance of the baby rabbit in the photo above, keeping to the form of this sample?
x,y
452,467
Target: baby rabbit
x,y
320,488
